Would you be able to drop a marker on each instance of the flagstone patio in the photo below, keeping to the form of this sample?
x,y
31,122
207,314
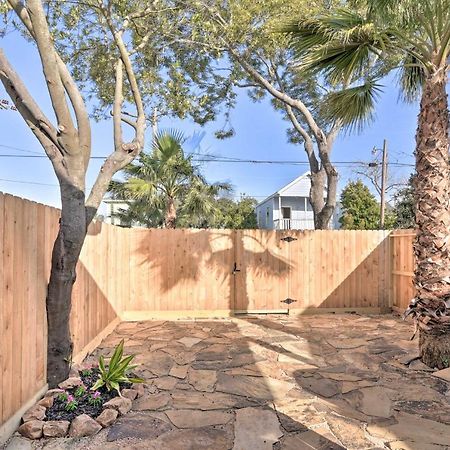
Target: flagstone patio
x,y
277,382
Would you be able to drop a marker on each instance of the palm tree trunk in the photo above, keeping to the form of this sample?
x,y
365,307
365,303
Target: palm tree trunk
x,y
432,244
171,214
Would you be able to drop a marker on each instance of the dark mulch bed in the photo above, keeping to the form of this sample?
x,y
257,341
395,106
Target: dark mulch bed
x,y
84,406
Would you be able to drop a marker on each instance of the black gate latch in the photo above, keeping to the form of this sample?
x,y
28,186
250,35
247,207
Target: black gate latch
x,y
288,301
289,239
235,269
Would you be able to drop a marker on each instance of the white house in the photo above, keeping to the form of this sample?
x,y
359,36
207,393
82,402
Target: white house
x,y
288,208
113,207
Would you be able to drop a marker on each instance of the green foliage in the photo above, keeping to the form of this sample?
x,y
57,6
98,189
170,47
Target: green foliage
x,y
238,215
166,175
116,371
221,29
63,396
71,404
174,80
357,45
404,206
360,210
86,372
80,391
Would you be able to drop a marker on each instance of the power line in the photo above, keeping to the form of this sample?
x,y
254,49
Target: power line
x,y
220,159
10,147
28,182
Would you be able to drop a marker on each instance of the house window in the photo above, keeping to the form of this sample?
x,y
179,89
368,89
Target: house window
x,y
286,212
259,218
308,205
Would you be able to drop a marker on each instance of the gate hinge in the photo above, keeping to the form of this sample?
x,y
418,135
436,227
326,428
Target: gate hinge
x,y
289,239
288,301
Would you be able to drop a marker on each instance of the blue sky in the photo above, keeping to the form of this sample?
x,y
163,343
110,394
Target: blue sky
x,y
260,134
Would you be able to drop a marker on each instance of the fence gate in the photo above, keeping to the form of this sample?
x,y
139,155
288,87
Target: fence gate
x,y
262,271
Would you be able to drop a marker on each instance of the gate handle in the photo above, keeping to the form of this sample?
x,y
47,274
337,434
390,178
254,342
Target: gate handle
x,y
235,269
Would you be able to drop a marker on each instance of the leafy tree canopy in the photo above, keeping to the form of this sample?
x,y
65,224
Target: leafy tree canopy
x,y
360,210
165,188
404,206
232,214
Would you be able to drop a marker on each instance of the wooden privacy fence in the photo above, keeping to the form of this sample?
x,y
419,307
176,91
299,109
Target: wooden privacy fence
x,y
27,233
402,257
134,274
167,273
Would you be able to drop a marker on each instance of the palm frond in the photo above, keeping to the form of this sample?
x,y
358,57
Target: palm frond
x,y
411,79
354,107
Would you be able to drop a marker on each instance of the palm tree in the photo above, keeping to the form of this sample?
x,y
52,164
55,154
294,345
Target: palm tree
x,y
359,46
164,186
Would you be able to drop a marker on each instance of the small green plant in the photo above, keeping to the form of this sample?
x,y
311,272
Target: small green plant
x,y
63,396
80,391
445,362
95,399
71,404
86,372
116,372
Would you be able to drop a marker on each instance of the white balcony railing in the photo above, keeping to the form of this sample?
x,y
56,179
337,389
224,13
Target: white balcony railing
x,y
294,224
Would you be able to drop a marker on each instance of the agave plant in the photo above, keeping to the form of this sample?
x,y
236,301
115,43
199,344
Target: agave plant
x,y
115,372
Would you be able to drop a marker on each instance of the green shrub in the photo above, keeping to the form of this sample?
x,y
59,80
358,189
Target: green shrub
x,y
116,372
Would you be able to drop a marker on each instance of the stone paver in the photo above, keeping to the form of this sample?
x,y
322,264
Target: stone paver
x,y
276,382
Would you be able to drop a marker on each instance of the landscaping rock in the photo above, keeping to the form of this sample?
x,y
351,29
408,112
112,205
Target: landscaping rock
x,y
53,392
84,425
56,428
443,374
139,426
70,383
256,428
419,365
187,418
31,429
408,358
46,402
19,443
208,438
321,386
375,402
152,402
256,387
179,371
139,388
36,412
409,427
215,400
203,380
129,393
189,341
165,383
123,405
107,417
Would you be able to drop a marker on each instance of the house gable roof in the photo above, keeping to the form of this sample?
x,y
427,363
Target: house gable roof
x,y
286,188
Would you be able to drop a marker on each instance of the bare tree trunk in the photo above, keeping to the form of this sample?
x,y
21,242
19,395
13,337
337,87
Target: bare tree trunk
x,y
323,191
66,251
431,308
171,214
316,195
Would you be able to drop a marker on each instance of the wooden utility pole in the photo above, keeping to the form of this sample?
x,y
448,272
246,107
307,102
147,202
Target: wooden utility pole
x,y
383,184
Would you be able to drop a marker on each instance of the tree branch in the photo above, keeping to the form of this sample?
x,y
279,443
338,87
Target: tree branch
x,y
76,99
39,124
278,94
117,106
41,34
